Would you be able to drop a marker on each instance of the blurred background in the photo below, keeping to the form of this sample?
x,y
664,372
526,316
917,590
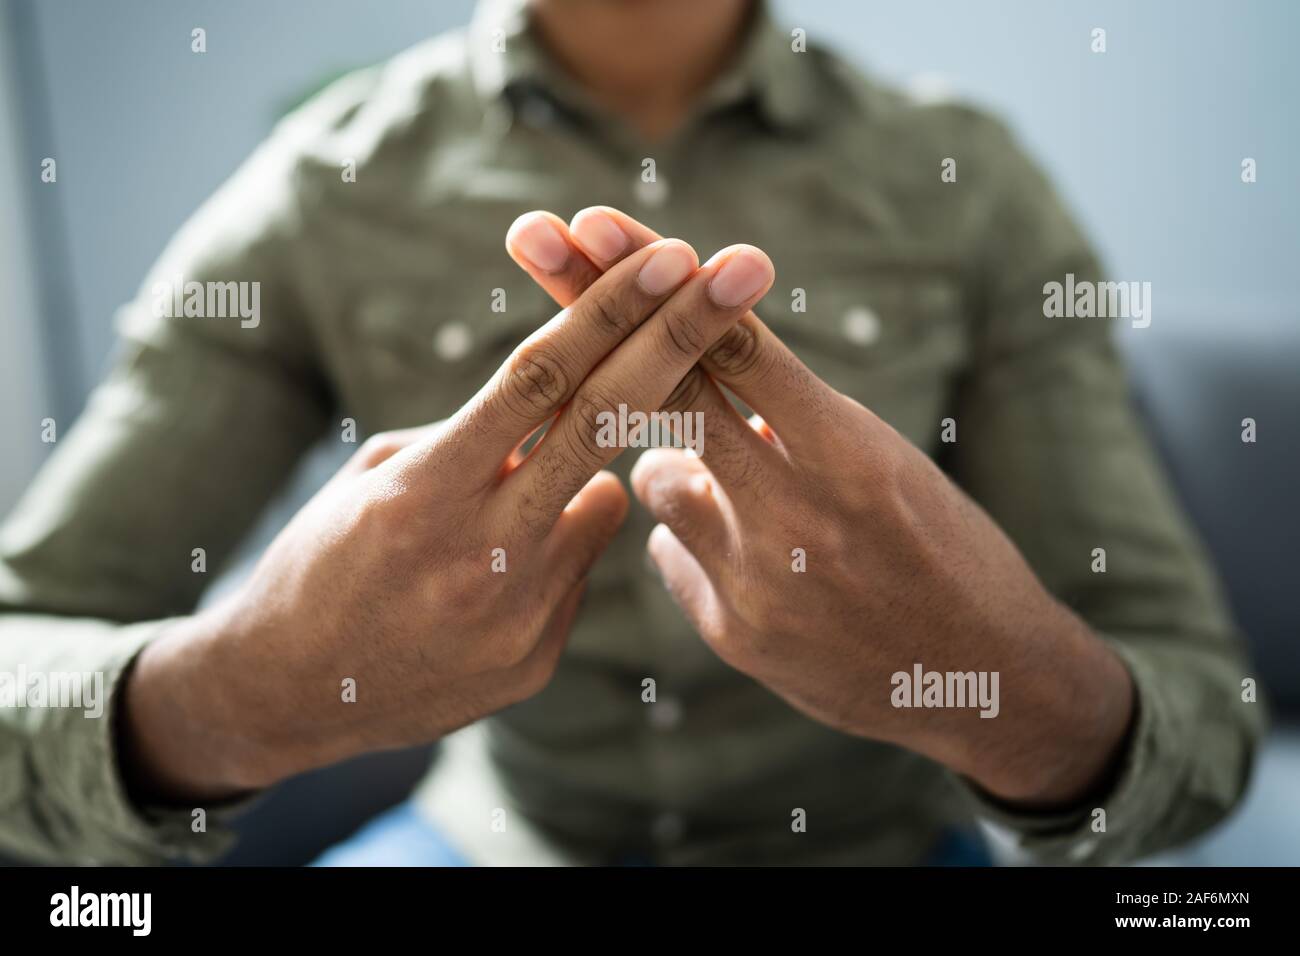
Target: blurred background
x,y
1145,141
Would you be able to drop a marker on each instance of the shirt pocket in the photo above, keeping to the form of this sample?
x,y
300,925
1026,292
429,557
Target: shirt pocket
x,y
420,350
893,338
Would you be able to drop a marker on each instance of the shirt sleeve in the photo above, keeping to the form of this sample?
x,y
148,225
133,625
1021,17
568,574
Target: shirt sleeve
x,y
199,422
1049,444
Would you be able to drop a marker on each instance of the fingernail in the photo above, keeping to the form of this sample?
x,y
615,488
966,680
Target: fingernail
x,y
599,234
666,269
741,277
538,241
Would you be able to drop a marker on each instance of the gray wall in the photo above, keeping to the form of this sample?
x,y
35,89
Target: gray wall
x,y
23,392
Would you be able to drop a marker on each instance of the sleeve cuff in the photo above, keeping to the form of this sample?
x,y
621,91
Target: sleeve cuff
x,y
92,815
1144,782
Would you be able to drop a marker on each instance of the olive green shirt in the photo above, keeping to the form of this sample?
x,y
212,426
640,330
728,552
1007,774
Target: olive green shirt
x,y
373,219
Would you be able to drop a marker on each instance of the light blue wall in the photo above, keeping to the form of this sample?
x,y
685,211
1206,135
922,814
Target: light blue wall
x,y
144,129
23,394
1146,140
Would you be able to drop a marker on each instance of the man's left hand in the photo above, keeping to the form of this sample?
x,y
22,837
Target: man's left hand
x,y
821,553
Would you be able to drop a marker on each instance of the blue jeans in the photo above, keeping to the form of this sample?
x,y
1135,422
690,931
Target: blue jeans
x,y
401,837
397,837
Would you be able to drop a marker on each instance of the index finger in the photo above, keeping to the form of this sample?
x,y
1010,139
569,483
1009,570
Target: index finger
x,y
546,369
749,359
638,377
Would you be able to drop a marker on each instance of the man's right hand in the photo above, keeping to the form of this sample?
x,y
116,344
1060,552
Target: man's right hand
x,y
388,580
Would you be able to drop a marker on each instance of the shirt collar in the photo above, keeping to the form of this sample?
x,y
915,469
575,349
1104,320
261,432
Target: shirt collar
x,y
501,52
767,68
781,82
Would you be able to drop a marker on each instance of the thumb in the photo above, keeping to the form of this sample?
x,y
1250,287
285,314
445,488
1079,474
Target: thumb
x,y
687,583
680,492
583,530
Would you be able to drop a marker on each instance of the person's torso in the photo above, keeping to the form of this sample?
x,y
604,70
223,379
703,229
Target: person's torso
x,y
422,304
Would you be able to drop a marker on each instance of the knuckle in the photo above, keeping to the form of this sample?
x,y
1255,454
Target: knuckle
x,y
491,654
729,645
536,383
742,467
473,586
370,518
687,392
515,650
608,312
582,435
682,333
667,506
461,604
382,513
838,544
377,448
673,505
737,353
533,519
535,673
479,657
889,478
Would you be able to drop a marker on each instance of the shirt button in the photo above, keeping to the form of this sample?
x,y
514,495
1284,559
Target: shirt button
x,y
652,194
667,828
861,325
666,713
452,341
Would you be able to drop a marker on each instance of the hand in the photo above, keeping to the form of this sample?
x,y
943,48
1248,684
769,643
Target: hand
x,y
391,576
901,568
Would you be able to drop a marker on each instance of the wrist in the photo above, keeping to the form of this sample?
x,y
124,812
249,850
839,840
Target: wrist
x,y
182,733
1061,744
